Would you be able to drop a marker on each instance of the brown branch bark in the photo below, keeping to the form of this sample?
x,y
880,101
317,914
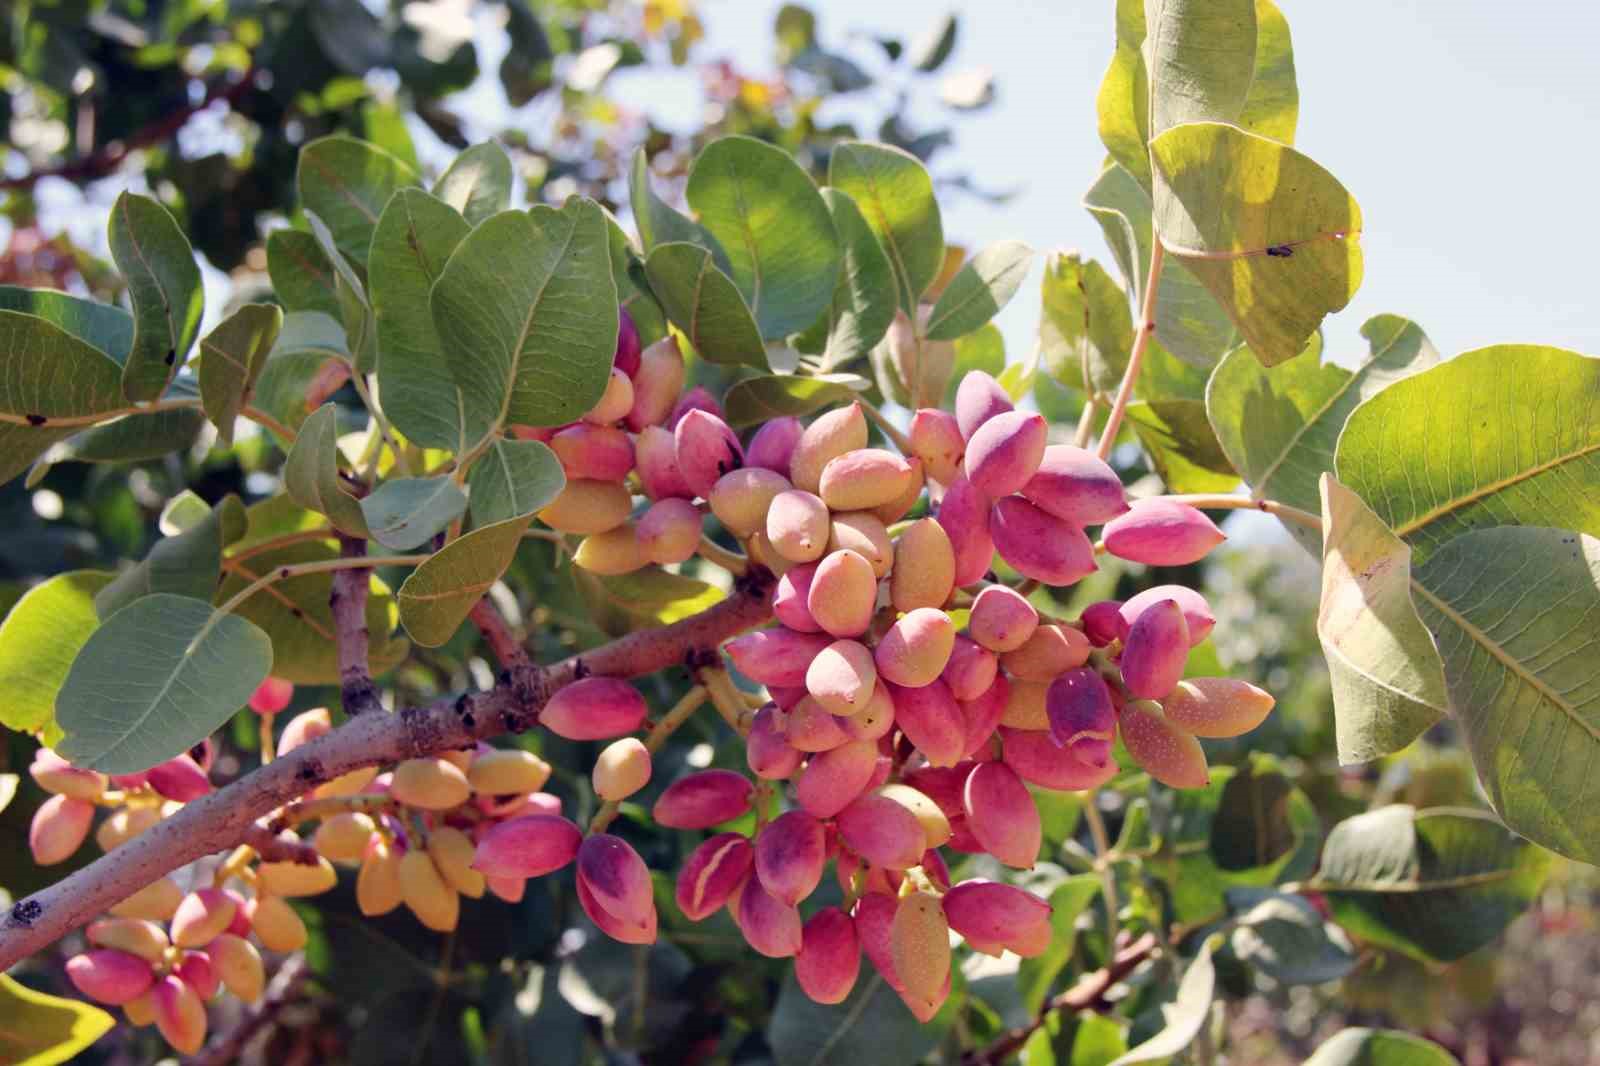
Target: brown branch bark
x,y
225,817
348,602
492,624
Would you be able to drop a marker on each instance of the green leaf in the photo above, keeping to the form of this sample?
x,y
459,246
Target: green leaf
x,y
895,194
1201,56
758,399
98,325
705,304
933,45
1272,108
1085,329
436,598
633,290
1497,436
311,473
232,357
1182,445
405,513
308,343
347,182
1279,426
182,565
660,596
1435,884
658,223
1251,827
1185,1015
1285,938
83,381
527,313
513,478
183,512
1068,899
478,183
129,439
155,679
1229,205
415,236
39,639
525,71
983,285
1387,680
764,210
871,1025
350,292
302,277
863,302
1380,1047
1122,104
41,1030
1511,612
983,349
165,288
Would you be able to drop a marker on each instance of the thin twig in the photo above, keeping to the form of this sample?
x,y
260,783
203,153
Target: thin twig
x,y
1102,849
664,728
1147,329
890,430
1215,501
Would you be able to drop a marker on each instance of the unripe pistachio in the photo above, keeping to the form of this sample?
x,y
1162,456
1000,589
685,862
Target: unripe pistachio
x,y
789,599
827,438
916,648
935,825
238,965
944,785
135,936
741,498
656,455
431,783
981,716
797,525
922,365
347,784
617,883
865,534
790,853
615,402
141,1010
156,901
502,771
1037,760
936,439
931,719
763,554
842,676
294,879
993,912
920,941
108,976
203,914
1217,706
275,923
459,758
595,708
882,831
195,967
669,532
59,827
180,1015
703,799
833,779
378,889
829,959
586,506
1162,533
1102,622
1082,717
1002,620
656,384
54,774
1025,705
1040,545
863,479
1165,751
1049,652
924,567
271,696
1155,651
971,670
1002,815
622,769
711,874
707,449
1197,615
768,752
603,453
125,824
304,728
776,656
771,926
964,515
1004,452
344,836
531,845
453,854
872,721
616,551
436,905
698,398
843,594
874,920
626,358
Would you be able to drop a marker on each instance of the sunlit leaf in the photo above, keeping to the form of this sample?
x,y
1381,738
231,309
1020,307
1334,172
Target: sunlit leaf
x,y
478,182
895,195
347,182
39,639
164,286
984,285
41,1030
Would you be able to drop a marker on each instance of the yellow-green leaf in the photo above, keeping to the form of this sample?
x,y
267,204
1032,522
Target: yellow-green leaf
x,y
41,1030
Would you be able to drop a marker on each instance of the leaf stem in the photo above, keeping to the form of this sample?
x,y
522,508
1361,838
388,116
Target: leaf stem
x,y
1085,430
1215,501
264,732
320,566
256,414
359,380
714,553
95,419
1147,329
726,698
890,430
1102,849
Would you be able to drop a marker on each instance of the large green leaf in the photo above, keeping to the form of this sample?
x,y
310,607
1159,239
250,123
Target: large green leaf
x,y
705,304
407,512
155,679
1122,104
347,182
39,639
1085,329
165,288
46,372
526,310
513,478
759,399
863,302
1201,56
478,183
1498,436
1185,1015
311,473
41,1030
231,360
895,194
1434,884
415,236
872,1025
1279,425
774,226
436,598
302,277
1182,445
1379,1047
1387,680
983,285
1511,610
99,325
1285,938
129,439
1273,236
185,564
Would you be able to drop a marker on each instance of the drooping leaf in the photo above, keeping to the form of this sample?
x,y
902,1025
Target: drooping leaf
x,y
775,227
1285,938
155,679
871,1025
183,565
1271,235
407,512
659,223
1379,1047
863,302
42,1030
1122,104
39,639
755,400
1068,899
527,313
513,478
705,304
415,236
984,285
302,277
164,286
1505,436
1085,328
103,326
1279,426
478,183
347,182
311,473
232,357
895,194
350,293
1387,679
660,596
1182,445
436,598
1434,884
1184,1015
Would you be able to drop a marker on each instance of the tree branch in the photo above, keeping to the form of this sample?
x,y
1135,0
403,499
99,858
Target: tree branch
x,y
348,602
221,819
497,633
